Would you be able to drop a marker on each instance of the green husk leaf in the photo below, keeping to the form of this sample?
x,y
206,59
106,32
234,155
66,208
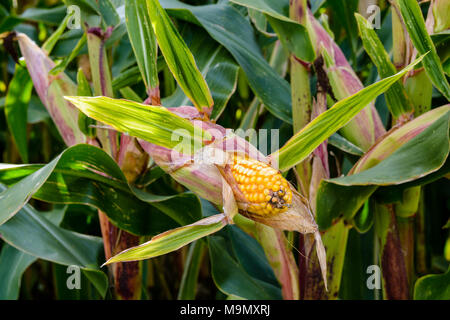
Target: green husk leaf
x,y
328,122
154,124
178,57
172,240
143,41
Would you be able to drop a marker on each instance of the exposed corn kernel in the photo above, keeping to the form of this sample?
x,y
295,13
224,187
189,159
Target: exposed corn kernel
x,y
263,187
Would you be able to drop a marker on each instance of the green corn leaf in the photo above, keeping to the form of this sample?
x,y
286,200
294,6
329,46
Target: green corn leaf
x,y
108,12
228,27
338,141
49,44
13,264
433,287
415,24
49,242
172,240
16,107
420,91
152,123
354,277
51,16
84,174
259,21
179,58
293,35
217,67
402,156
61,66
129,94
230,271
143,41
396,97
133,75
126,78
401,166
188,285
327,123
10,277
84,89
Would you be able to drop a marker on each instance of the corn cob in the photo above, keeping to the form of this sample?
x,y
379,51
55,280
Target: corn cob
x,y
264,188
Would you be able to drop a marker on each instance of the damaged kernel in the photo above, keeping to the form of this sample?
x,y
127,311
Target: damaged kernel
x,y
263,187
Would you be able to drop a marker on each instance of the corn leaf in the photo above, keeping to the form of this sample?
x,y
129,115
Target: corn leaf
x,y
433,287
396,97
50,242
16,107
238,270
178,57
152,123
293,35
327,123
62,65
402,156
143,41
415,24
13,264
228,27
84,174
84,89
191,271
338,141
172,240
10,278
50,43
217,67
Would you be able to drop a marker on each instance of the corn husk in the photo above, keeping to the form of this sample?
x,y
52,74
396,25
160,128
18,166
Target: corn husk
x,y
207,179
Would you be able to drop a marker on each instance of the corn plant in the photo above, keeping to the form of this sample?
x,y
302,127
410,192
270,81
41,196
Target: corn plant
x,y
240,149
